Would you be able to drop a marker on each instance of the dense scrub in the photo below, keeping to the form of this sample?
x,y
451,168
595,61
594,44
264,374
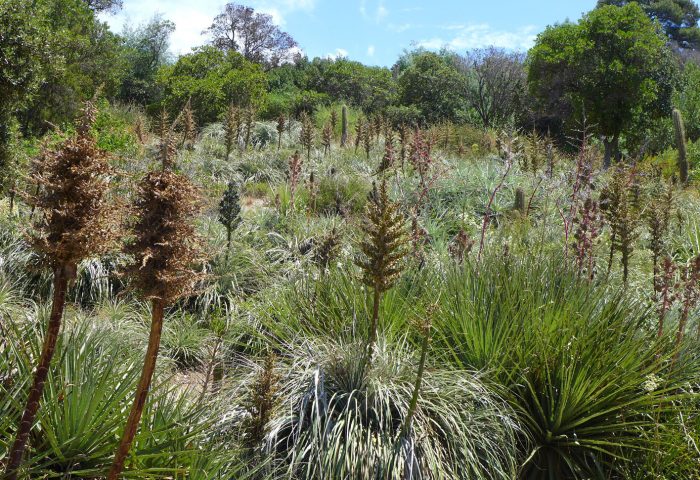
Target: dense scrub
x,y
537,315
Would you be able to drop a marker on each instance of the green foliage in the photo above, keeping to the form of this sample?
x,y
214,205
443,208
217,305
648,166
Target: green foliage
x,y
610,67
212,80
431,83
679,18
687,99
588,400
346,416
146,50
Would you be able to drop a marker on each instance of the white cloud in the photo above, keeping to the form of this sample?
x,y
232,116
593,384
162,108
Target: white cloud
x,y
483,35
399,28
377,14
339,53
370,50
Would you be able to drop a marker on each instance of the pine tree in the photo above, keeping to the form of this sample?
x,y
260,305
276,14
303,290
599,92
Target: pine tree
x,y
383,251
230,213
79,221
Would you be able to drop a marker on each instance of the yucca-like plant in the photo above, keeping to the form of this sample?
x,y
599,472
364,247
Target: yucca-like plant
x,y
230,213
165,249
658,219
388,158
383,251
367,138
327,250
78,221
340,417
588,401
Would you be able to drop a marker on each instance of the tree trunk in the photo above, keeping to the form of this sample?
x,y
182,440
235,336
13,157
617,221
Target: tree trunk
x,y
60,286
149,366
611,150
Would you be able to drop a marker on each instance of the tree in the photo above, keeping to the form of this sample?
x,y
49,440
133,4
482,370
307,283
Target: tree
x,y
679,18
496,82
212,80
146,50
610,68
432,83
241,29
82,56
110,6
687,99
23,55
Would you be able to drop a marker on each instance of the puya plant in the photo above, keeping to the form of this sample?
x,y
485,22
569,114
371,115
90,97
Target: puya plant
x,y
230,213
78,221
306,135
383,252
164,249
623,215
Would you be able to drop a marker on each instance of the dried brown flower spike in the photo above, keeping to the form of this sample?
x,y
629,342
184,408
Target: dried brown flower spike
x,y
79,221
165,248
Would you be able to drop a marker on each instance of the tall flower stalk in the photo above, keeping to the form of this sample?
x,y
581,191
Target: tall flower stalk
x,y
79,221
164,249
383,252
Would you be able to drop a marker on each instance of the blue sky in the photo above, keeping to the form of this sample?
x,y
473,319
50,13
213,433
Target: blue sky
x,y
372,31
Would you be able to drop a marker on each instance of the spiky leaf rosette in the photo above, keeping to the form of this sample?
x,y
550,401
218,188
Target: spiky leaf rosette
x,y
74,180
385,245
166,246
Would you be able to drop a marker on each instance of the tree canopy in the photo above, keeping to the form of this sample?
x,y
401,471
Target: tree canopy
x,y
253,34
609,68
679,18
212,79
